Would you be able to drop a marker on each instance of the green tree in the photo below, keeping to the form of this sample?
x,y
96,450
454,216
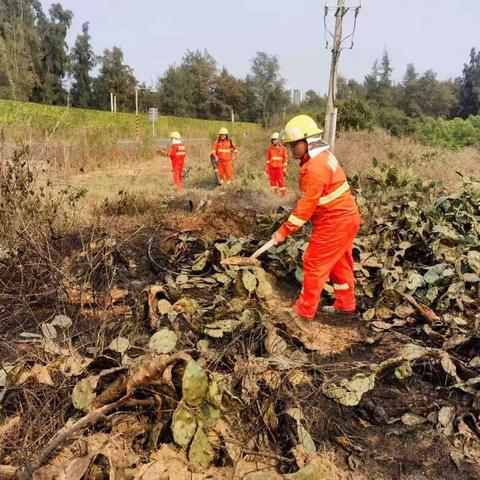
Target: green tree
x,y
83,60
201,72
114,77
372,81
349,89
469,86
313,105
189,90
425,95
408,99
386,71
355,114
312,99
266,89
54,63
230,94
378,84
19,49
175,93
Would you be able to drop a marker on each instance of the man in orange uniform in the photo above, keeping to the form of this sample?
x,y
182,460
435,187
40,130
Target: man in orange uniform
x,y
177,154
328,202
225,152
277,160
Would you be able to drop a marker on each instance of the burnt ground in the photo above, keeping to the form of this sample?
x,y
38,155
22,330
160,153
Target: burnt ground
x,y
366,441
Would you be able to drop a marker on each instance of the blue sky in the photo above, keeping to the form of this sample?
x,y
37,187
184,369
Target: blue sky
x,y
433,34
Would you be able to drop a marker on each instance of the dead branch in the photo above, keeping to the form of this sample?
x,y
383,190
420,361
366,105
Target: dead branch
x,y
152,370
424,311
148,372
112,393
65,433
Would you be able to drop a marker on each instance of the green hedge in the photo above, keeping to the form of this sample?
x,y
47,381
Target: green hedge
x,y
452,134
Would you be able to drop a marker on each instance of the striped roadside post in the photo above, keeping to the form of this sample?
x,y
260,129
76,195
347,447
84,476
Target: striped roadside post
x,y
137,128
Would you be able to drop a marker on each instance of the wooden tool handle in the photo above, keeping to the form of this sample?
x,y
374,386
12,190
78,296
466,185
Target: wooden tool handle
x,y
263,249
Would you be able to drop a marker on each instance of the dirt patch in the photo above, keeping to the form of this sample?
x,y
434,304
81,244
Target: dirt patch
x,y
328,339
216,216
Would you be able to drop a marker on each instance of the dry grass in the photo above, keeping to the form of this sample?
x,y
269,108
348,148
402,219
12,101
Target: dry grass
x,y
149,181
133,186
356,150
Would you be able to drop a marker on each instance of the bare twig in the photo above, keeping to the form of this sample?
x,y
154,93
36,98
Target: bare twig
x,y
66,433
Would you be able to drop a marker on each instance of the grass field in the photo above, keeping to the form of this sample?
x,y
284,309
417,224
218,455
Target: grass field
x,y
74,138
44,118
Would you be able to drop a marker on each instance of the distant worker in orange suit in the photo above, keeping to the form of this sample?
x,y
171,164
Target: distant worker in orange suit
x,y
177,154
277,161
329,204
225,151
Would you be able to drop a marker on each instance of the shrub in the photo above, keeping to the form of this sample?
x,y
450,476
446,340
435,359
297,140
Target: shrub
x,y
396,122
30,205
451,134
355,114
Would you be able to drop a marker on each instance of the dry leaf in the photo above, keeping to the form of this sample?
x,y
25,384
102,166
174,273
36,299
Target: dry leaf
x,y
42,375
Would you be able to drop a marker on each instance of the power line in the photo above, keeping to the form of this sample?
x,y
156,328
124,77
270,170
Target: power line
x,y
338,45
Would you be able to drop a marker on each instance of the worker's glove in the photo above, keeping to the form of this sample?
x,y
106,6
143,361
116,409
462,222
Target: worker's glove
x,y
278,238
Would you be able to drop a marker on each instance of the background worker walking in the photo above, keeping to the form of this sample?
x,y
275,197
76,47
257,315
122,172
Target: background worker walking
x,y
328,202
225,151
177,154
277,161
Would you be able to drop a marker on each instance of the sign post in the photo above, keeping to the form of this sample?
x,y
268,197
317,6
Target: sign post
x,y
153,117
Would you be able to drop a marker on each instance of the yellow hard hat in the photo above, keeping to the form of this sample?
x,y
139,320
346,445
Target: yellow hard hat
x,y
300,127
223,131
175,135
275,136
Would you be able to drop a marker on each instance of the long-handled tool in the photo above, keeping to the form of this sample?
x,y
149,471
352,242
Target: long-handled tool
x,y
213,158
252,260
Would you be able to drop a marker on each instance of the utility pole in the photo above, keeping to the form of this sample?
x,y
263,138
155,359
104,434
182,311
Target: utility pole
x,y
331,116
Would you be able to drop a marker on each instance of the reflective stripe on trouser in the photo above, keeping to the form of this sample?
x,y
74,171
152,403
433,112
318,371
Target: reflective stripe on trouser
x,y
177,170
329,254
225,170
277,179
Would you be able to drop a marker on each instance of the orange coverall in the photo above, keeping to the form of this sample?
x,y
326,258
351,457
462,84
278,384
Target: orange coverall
x,y
329,204
277,160
224,151
178,154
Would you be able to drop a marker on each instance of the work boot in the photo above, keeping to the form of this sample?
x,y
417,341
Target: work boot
x,y
334,312
302,323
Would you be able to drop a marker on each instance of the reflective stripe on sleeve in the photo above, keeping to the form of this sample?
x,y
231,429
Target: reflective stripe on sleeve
x,y
335,194
341,286
298,222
